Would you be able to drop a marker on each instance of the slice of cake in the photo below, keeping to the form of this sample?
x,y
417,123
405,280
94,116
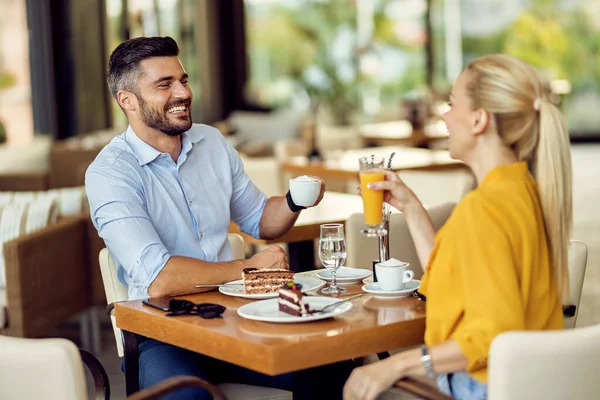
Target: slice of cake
x,y
265,280
290,300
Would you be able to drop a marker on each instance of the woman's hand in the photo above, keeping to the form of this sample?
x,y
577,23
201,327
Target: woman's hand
x,y
368,382
397,194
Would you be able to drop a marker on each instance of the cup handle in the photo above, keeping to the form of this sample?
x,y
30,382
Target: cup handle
x,y
410,274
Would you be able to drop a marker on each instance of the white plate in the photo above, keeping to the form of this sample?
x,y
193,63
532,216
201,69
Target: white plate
x,y
268,310
376,290
308,283
345,275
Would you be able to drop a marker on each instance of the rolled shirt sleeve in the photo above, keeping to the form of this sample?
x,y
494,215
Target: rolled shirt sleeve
x,y
492,301
119,213
247,201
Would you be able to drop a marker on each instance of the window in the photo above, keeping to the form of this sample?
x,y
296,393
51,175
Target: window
x,y
355,60
561,38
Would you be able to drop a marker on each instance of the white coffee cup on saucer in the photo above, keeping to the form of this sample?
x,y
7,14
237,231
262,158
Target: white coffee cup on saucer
x,y
305,190
393,274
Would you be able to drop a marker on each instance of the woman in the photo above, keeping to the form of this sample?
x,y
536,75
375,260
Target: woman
x,y
500,261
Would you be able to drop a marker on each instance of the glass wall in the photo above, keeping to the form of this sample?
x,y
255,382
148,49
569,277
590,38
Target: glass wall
x,y
355,60
561,38
16,116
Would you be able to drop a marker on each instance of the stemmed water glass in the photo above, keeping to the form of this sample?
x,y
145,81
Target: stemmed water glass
x,y
332,252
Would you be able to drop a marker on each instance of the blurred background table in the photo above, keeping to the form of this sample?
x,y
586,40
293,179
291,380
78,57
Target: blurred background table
x,y
401,133
345,165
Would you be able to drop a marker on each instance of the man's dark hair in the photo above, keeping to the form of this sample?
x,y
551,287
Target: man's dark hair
x,y
123,65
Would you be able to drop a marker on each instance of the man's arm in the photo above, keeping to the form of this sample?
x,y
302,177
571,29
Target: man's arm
x,y
118,212
277,218
181,274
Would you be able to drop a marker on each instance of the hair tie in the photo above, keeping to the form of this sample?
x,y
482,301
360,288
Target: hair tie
x,y
537,103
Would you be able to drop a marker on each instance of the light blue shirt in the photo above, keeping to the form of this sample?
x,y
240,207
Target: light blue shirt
x,y
148,208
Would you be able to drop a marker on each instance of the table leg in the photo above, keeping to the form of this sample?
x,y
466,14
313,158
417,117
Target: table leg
x,y
132,362
301,256
324,382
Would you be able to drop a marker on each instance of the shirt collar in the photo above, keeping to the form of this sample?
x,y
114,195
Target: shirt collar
x,y
146,154
516,170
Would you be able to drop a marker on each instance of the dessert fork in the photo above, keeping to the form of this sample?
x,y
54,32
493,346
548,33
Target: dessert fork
x,y
331,306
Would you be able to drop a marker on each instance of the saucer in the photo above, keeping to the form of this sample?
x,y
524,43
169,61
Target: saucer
x,y
376,290
345,275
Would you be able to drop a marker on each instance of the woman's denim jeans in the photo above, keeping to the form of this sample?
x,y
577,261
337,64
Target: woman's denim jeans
x,y
462,386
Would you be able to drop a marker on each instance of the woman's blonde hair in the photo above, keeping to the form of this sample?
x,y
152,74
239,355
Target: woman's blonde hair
x,y
513,93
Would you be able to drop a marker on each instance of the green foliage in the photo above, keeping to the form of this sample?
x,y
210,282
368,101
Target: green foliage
x,y
2,133
7,80
313,45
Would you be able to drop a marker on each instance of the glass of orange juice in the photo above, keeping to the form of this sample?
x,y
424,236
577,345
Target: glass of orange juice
x,y
371,170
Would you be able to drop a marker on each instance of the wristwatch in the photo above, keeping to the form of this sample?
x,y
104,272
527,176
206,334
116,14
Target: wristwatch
x,y
426,361
291,203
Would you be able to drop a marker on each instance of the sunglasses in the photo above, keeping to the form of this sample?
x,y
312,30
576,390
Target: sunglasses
x,y
204,310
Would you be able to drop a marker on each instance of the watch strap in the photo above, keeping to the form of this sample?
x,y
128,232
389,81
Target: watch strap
x,y
291,204
426,361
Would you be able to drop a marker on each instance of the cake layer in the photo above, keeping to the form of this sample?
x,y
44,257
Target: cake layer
x,y
290,300
265,280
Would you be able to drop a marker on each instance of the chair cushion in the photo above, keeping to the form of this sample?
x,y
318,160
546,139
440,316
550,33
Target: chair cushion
x,y
238,391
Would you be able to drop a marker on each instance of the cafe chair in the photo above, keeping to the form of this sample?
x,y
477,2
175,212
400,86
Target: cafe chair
x,y
438,187
577,266
116,291
52,369
362,250
545,365
525,365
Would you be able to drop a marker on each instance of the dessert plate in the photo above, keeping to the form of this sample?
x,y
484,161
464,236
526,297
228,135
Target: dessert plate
x,y
376,290
237,288
345,275
268,310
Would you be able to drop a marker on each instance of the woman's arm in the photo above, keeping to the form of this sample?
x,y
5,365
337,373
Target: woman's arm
x,y
368,382
399,196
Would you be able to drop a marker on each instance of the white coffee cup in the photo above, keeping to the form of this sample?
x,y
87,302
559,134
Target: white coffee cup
x,y
305,190
393,274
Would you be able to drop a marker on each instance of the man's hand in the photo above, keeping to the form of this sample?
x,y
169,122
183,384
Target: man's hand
x,y
322,189
272,257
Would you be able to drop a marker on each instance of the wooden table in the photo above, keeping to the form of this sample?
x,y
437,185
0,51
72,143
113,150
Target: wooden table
x,y
346,166
335,208
401,133
371,326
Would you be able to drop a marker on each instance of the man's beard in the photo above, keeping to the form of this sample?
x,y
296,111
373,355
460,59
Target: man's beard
x,y
154,119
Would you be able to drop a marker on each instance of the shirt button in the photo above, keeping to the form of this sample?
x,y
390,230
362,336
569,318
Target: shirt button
x,y
164,156
201,235
190,203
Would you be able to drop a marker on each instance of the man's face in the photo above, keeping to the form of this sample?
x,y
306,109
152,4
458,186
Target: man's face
x,y
164,97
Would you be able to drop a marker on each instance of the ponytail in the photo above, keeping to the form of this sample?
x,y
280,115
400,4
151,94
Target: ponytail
x,y
535,130
552,171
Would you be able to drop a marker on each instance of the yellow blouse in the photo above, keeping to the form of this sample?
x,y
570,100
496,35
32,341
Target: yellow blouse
x,y
489,270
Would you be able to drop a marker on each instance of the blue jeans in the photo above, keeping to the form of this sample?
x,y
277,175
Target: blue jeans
x,y
159,361
462,386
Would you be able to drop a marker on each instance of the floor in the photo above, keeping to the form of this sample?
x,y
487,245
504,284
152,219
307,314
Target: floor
x,y
586,187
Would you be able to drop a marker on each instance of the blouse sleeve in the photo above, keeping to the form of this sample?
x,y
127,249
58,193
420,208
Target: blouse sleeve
x,y
485,261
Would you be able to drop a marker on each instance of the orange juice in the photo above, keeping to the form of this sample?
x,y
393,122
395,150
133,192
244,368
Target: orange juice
x,y
372,199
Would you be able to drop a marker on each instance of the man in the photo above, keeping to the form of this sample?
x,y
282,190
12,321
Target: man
x,y
162,195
